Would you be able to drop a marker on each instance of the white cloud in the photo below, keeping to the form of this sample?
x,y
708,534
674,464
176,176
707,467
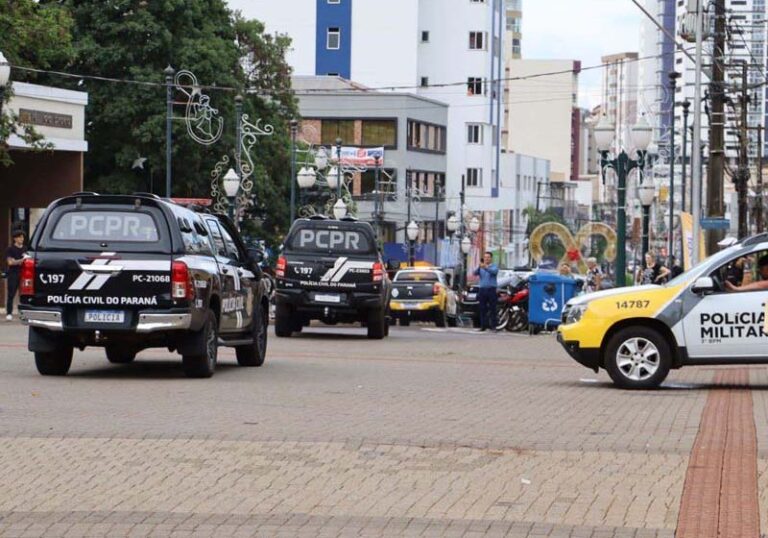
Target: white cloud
x,y
582,30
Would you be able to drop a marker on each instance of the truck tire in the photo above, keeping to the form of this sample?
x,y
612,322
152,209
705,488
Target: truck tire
x,y
377,324
203,364
255,353
54,362
283,322
638,358
117,355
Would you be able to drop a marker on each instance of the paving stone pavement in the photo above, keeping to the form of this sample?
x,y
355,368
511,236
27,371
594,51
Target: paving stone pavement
x,y
426,434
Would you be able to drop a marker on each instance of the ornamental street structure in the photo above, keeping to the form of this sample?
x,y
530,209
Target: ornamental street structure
x,y
36,178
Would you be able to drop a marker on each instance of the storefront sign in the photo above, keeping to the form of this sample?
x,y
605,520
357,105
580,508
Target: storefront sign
x,y
45,119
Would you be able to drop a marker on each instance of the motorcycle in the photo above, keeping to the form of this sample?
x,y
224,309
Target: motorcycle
x,y
512,309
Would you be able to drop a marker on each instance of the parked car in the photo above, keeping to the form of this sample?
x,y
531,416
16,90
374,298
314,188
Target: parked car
x,y
331,270
128,273
423,294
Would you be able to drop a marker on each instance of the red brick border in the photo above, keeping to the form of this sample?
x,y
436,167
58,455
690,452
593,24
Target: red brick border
x,y
720,496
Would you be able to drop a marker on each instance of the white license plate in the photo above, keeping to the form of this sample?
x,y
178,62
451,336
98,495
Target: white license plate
x,y
471,296
328,298
104,316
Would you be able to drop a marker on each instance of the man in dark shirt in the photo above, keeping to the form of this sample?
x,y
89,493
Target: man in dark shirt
x,y
487,272
14,256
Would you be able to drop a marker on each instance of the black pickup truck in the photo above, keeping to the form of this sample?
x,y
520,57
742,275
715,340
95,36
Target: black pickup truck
x,y
331,270
133,272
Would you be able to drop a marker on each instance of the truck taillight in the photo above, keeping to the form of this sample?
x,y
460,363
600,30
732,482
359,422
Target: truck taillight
x,y
280,269
436,288
377,274
27,284
181,283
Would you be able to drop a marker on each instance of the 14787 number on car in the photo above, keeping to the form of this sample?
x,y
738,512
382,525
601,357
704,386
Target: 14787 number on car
x,y
626,305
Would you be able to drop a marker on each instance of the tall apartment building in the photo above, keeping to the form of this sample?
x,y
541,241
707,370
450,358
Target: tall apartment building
x,y
543,115
620,90
514,35
448,50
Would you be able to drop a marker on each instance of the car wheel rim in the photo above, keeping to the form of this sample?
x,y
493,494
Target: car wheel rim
x,y
638,359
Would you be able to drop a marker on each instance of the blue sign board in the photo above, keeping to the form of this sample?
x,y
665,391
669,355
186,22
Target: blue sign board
x,y
715,223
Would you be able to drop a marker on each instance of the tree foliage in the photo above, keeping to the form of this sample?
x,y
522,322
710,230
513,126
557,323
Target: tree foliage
x,y
135,40
33,35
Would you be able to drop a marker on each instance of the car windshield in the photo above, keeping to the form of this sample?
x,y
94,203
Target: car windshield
x,y
417,276
106,226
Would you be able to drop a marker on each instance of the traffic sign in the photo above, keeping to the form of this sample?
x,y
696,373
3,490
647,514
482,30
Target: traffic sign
x,y
715,223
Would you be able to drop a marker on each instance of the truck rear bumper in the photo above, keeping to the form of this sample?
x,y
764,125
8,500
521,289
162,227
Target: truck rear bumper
x,y
147,323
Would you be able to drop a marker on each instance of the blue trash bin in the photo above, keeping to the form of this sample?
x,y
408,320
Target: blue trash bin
x,y
548,294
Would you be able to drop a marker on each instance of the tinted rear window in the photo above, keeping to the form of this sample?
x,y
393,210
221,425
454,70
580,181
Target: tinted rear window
x,y
417,276
330,239
107,226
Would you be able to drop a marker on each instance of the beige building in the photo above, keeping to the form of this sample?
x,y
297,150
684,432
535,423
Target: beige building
x,y
620,94
542,114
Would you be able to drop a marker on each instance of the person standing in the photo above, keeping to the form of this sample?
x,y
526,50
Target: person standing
x,y
594,280
653,272
14,256
487,272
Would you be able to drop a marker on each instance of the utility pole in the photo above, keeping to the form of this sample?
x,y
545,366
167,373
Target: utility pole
x,y
437,218
169,72
673,76
716,171
759,186
742,175
696,177
377,198
408,218
462,197
686,107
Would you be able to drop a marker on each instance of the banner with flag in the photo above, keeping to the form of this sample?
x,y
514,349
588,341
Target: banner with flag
x,y
351,156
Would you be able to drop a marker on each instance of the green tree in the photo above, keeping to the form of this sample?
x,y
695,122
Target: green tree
x,y
135,40
34,35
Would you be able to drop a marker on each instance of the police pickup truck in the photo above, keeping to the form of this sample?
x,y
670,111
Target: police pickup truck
x,y
331,270
128,273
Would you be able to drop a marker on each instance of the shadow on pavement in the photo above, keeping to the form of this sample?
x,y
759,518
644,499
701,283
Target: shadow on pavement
x,y
144,369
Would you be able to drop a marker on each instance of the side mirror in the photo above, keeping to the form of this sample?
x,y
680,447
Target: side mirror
x,y
703,285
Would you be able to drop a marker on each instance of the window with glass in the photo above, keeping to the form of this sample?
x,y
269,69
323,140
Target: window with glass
x,y
477,40
474,177
474,86
424,136
333,40
380,133
474,133
330,130
387,183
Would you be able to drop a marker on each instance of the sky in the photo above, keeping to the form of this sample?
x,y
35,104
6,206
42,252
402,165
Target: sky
x,y
582,30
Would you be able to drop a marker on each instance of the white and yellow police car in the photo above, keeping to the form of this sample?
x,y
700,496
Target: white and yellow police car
x,y
713,314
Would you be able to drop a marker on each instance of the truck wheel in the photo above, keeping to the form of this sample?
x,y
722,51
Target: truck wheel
x,y
283,322
637,358
254,354
377,324
204,364
54,362
440,320
120,356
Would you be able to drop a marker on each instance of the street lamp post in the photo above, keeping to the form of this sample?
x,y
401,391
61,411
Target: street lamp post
x,y
462,197
646,193
169,72
338,168
622,165
231,186
412,231
437,219
408,180
686,110
5,77
294,132
377,198
673,76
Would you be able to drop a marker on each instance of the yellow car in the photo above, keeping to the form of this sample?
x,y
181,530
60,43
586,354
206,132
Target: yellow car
x,y
708,315
423,294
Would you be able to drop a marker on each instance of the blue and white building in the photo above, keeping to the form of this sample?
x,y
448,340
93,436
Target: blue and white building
x,y
447,50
